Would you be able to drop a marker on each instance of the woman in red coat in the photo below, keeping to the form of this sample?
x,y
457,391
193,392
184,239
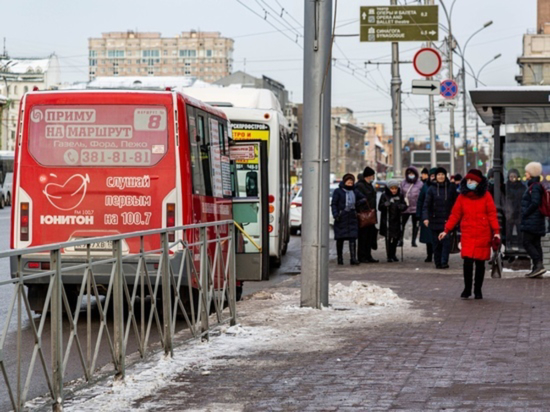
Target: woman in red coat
x,y
477,214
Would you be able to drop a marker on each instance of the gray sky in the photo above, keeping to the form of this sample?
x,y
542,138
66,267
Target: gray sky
x,y
38,28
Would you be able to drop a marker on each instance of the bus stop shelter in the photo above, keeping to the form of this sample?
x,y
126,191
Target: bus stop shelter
x,y
520,117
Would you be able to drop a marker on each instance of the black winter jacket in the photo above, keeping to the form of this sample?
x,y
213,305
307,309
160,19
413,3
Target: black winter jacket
x,y
346,225
425,233
391,206
369,192
514,193
531,219
439,202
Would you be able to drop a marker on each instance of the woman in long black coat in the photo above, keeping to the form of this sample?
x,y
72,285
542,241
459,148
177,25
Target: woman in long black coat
x,y
392,205
346,227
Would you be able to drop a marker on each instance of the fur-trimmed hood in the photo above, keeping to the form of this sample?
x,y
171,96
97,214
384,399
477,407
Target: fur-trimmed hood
x,y
479,191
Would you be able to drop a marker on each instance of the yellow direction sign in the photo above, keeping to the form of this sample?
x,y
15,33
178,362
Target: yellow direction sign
x,y
399,23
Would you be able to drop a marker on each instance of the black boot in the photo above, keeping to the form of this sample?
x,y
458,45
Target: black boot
x,y
538,270
353,253
478,280
429,252
414,234
340,251
468,277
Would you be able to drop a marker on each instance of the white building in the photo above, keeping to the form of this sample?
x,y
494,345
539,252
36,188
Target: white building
x,y
17,77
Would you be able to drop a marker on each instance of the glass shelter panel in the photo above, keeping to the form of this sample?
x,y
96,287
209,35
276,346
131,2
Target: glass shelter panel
x,y
525,142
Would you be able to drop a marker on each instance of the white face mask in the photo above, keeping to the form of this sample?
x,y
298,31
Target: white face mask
x,y
411,177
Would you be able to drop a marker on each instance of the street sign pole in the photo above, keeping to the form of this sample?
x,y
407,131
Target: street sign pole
x,y
396,107
431,117
316,150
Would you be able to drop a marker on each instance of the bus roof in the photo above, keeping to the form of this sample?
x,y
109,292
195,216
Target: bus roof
x,y
249,98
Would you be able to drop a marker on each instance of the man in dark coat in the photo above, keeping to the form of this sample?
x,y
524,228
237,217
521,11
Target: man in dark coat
x,y
514,192
440,199
533,222
425,232
345,199
367,235
392,205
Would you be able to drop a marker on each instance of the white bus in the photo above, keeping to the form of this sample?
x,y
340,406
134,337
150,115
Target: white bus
x,y
258,123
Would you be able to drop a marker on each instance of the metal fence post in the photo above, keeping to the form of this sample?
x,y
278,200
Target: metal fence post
x,y
205,287
57,330
232,276
118,311
166,296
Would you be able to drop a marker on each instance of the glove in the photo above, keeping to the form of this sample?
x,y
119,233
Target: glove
x,y
387,203
495,243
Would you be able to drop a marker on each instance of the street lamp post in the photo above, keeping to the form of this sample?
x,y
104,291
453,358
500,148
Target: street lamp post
x,y
464,96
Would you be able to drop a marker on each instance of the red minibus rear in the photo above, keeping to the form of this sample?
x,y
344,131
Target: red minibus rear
x,y
97,163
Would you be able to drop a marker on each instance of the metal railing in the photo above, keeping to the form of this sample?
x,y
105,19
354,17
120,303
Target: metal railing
x,y
194,276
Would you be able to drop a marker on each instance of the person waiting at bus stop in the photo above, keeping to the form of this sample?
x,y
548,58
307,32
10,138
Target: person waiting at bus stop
x,y
392,204
410,189
476,212
514,192
367,235
440,199
345,199
425,232
533,222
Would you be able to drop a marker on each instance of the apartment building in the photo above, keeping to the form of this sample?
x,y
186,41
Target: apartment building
x,y
205,55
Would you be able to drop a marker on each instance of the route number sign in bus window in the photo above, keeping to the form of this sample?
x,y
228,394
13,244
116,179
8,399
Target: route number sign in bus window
x,y
98,135
250,131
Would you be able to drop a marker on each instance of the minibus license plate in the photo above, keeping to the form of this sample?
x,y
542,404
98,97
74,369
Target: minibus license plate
x,y
108,245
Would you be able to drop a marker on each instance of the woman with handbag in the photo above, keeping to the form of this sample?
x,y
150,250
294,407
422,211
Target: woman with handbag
x,y
392,204
477,214
367,241
345,199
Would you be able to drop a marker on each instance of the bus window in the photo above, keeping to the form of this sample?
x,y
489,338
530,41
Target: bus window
x,y
194,141
204,142
222,138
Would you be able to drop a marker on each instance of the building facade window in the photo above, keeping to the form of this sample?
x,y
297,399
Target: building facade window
x,y
115,53
150,53
188,53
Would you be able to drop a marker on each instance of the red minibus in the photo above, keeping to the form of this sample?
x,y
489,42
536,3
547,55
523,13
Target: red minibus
x,y
95,163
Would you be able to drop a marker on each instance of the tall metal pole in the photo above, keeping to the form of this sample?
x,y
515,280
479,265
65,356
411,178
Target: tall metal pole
x,y
316,150
450,47
396,106
431,116
465,115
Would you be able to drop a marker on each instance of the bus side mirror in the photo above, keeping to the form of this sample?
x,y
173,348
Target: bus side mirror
x,y
296,150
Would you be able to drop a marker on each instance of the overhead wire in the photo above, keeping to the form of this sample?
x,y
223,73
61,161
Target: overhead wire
x,y
277,17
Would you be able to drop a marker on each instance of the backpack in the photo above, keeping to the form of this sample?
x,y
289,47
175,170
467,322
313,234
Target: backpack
x,y
544,207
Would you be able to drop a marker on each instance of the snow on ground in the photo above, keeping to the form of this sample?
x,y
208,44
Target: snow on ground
x,y
269,321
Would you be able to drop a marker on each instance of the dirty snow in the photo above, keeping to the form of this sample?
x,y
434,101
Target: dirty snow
x,y
269,321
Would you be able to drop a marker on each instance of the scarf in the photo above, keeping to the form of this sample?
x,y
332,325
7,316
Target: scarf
x,y
350,200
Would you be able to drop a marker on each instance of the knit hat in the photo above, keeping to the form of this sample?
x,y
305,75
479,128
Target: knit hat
x,y
433,171
474,174
490,173
368,172
393,183
359,177
424,171
458,177
534,169
348,176
513,171
441,170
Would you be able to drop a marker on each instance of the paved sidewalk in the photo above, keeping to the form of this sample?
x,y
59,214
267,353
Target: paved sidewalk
x,y
450,354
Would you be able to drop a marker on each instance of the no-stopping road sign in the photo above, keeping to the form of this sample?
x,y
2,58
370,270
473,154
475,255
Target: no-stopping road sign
x,y
427,62
449,89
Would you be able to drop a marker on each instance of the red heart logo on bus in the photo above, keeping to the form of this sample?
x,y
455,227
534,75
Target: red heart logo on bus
x,y
68,195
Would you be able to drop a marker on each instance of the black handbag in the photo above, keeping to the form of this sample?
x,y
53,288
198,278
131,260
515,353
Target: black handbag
x,y
454,238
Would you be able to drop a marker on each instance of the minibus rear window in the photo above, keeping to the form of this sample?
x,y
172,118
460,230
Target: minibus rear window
x,y
98,135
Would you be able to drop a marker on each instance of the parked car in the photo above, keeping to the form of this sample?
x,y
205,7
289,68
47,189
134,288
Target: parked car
x,y
5,191
296,211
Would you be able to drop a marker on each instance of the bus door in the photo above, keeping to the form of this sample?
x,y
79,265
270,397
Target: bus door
x,y
251,209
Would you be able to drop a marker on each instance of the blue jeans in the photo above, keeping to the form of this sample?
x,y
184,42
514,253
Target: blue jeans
x,y
441,249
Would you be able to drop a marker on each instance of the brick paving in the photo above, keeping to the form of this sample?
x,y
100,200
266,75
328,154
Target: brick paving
x,y
475,355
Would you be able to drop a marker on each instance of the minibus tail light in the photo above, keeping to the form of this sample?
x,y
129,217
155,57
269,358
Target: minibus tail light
x,y
24,222
171,220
